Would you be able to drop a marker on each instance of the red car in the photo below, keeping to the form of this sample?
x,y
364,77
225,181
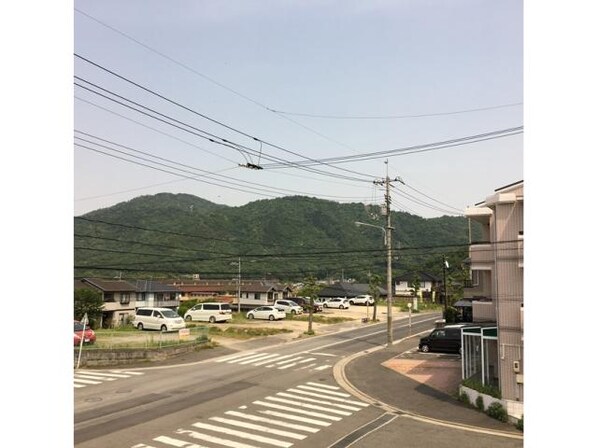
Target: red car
x,y
89,336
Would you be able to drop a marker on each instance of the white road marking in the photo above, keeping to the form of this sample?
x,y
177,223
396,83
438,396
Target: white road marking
x,y
218,440
342,400
325,386
261,358
296,418
242,435
338,394
313,400
87,381
93,377
298,362
109,374
297,411
176,442
247,359
308,406
256,418
277,432
323,367
230,358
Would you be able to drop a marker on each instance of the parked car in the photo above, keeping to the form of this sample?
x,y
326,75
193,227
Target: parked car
x,y
85,332
209,312
163,319
445,339
288,306
304,303
267,312
363,299
337,302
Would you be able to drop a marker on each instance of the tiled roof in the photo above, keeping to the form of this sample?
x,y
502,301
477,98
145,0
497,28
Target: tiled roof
x,y
110,285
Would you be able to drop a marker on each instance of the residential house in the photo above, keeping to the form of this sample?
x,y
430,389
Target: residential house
x,y
122,297
428,284
347,289
252,292
493,354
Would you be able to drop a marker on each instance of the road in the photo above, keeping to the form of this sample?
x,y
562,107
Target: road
x,y
279,396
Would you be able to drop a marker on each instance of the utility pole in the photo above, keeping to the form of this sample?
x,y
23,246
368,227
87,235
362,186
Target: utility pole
x,y
386,182
239,288
445,265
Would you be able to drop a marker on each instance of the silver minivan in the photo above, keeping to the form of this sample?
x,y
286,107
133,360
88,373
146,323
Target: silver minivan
x,y
209,312
163,319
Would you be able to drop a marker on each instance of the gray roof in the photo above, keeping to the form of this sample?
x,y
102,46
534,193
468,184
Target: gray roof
x,y
345,289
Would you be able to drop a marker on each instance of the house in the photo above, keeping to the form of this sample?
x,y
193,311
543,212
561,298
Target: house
x,y
428,284
252,292
493,354
346,289
122,297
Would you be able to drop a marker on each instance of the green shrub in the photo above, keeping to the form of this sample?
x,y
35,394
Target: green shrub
x,y
519,424
479,402
497,411
485,389
464,398
451,314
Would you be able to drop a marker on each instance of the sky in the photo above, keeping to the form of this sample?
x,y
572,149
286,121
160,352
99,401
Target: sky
x,y
227,60
184,97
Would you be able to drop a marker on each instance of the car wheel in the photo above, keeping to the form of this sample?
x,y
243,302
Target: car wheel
x,y
341,307
140,326
212,319
425,348
250,316
351,302
271,317
188,319
163,328
325,306
293,312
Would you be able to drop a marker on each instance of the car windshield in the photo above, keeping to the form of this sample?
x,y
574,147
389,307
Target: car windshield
x,y
292,303
169,313
78,326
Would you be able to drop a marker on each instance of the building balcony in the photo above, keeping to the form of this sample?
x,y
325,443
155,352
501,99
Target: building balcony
x,y
481,255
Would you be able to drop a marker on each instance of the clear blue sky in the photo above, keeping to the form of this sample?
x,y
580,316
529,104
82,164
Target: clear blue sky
x,y
316,80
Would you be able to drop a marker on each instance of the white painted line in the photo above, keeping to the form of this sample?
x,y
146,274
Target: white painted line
x,y
79,385
313,364
342,400
325,386
298,362
313,400
242,435
142,445
260,358
87,381
175,442
277,432
324,354
229,358
308,406
130,372
218,440
297,411
329,392
109,374
247,359
322,367
256,418
90,377
296,418
288,360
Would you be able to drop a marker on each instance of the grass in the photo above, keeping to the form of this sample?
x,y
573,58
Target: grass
x,y
246,333
318,318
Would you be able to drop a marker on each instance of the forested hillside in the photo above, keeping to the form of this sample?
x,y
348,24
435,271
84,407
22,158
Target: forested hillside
x,y
178,235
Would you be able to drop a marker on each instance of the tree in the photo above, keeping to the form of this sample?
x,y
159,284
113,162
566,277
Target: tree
x,y
311,290
88,301
375,281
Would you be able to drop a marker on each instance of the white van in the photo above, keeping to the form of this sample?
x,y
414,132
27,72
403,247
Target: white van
x,y
209,312
163,319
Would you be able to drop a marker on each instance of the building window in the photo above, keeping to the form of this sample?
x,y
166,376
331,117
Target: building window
x,y
475,278
125,298
257,296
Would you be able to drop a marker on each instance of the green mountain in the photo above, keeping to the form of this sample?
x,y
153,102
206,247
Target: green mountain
x,y
179,235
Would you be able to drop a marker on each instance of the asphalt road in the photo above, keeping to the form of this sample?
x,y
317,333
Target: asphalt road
x,y
282,396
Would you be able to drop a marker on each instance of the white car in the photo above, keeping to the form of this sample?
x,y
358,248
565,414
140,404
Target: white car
x,y
288,306
266,312
338,302
363,299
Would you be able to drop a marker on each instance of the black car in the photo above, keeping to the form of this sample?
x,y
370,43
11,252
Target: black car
x,y
304,303
445,339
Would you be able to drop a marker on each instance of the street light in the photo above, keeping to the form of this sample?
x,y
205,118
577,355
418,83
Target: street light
x,y
387,234
238,285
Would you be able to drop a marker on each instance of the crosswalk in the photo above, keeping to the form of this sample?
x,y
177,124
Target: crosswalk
x,y
278,420
297,361
84,378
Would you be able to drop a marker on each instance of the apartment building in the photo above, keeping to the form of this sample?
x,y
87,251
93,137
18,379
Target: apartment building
x,y
493,352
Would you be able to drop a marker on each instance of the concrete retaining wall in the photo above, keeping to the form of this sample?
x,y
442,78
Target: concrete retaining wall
x,y
123,356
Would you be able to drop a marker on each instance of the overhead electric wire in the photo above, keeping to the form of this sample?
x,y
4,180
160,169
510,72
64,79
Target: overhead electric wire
x,y
508,132
395,117
211,119
209,174
215,139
